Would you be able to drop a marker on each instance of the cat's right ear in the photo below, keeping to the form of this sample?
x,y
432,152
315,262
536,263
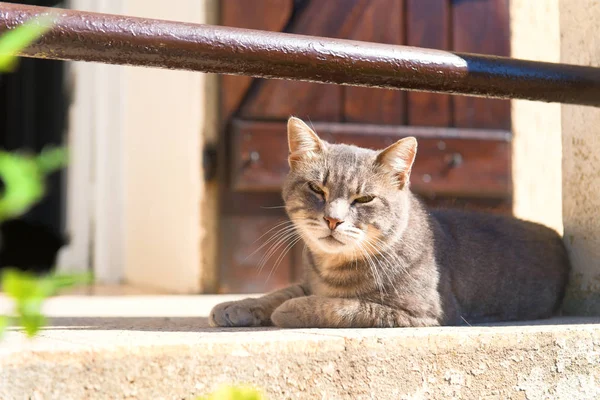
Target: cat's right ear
x,y
398,159
303,142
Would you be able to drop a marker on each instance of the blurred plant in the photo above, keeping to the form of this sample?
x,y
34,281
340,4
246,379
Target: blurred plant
x,y
23,176
19,38
24,186
235,393
29,292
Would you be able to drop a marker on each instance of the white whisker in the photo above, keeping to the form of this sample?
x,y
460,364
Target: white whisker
x,y
387,264
273,249
393,260
286,222
281,232
373,268
282,256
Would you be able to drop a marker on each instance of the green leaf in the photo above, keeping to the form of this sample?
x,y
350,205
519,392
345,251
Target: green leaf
x,y
31,305
23,177
29,293
23,286
13,41
23,184
58,282
52,159
17,284
235,393
32,322
3,325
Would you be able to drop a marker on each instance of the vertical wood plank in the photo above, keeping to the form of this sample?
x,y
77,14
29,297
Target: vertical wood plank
x,y
481,27
242,256
268,15
278,99
428,25
381,22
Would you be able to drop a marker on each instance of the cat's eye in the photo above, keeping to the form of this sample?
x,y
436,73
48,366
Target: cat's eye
x,y
364,199
316,189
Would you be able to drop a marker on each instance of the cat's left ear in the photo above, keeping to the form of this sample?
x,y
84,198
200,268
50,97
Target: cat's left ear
x,y
304,144
399,158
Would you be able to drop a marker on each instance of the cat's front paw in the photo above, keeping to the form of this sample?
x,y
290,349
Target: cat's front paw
x,y
247,312
296,313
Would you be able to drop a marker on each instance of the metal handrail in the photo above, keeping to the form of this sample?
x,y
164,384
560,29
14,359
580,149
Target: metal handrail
x,y
124,40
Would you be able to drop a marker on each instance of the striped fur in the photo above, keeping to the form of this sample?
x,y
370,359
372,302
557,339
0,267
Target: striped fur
x,y
390,262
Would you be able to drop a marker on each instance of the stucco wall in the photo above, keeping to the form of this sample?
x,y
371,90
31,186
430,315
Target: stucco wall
x,y
580,44
569,32
537,147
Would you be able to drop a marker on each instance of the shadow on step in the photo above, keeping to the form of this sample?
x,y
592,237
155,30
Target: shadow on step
x,y
200,324
154,324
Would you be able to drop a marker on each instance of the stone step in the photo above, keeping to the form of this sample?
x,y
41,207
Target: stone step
x,y
160,347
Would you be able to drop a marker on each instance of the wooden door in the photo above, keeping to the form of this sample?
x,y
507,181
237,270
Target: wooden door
x,y
464,142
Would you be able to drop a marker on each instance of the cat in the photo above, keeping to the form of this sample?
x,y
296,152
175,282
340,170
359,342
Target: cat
x,y
377,257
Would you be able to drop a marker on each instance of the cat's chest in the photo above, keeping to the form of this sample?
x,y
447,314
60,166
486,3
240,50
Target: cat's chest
x,y
349,281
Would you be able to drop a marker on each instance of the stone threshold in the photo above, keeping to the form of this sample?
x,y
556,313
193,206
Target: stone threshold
x,y
161,347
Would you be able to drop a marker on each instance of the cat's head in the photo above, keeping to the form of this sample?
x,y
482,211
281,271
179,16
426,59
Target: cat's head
x,y
343,199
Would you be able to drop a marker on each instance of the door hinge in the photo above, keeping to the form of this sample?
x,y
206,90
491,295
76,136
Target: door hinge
x,y
209,162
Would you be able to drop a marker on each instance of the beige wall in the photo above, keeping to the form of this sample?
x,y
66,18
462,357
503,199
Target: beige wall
x,y
564,31
139,209
580,44
164,126
537,147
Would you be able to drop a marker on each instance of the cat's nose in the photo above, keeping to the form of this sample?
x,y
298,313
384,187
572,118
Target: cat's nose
x,y
333,222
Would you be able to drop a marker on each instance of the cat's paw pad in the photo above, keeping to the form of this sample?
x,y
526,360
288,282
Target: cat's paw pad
x,y
236,313
293,313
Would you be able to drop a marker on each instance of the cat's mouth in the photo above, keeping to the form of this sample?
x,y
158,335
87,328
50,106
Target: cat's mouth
x,y
331,240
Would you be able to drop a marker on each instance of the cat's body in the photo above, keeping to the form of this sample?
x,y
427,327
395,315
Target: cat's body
x,y
376,257
445,279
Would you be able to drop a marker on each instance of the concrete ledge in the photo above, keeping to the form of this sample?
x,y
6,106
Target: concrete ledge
x,y
155,347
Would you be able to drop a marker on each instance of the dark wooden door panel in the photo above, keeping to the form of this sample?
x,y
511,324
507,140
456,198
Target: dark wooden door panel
x,y
449,161
278,99
481,26
241,270
428,25
268,15
382,22
464,143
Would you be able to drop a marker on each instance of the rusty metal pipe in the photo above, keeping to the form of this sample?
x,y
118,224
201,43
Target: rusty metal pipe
x,y
84,36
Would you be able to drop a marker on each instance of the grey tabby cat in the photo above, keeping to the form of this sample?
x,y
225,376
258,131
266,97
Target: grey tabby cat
x,y
376,257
